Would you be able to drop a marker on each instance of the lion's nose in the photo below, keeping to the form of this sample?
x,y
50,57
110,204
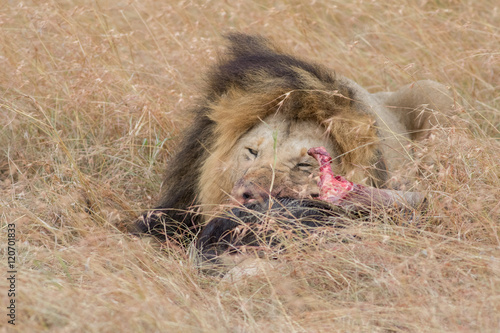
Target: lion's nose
x,y
247,193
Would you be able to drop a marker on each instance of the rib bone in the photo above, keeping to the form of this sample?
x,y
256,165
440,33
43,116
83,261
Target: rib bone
x,y
340,192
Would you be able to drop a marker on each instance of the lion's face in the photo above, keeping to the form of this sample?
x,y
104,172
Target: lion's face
x,y
271,159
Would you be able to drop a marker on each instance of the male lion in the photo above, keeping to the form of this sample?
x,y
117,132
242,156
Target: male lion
x,y
262,110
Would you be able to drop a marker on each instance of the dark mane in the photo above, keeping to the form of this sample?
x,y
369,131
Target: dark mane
x,y
249,57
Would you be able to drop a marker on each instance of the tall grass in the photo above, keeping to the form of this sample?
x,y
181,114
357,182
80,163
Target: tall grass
x,y
92,101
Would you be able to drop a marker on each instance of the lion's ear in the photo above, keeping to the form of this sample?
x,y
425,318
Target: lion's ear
x,y
356,137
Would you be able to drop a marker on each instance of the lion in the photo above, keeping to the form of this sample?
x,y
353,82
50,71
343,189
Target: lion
x,y
261,111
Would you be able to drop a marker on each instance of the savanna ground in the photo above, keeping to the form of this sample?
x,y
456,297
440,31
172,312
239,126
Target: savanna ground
x,y
92,102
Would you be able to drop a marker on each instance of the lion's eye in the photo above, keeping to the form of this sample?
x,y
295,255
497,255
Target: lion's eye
x,y
253,152
304,165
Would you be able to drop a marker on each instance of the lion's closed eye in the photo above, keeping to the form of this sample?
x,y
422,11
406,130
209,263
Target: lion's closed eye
x,y
253,152
304,166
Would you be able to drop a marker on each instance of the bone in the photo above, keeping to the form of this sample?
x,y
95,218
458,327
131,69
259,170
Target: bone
x,y
338,191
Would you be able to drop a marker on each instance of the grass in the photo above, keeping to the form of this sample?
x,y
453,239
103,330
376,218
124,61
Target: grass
x,y
92,102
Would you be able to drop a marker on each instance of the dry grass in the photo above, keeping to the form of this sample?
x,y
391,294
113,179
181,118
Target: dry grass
x,y
92,100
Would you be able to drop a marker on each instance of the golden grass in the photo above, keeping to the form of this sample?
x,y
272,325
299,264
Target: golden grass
x,y
93,98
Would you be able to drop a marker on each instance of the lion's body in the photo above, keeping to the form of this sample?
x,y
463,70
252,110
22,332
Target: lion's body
x,y
263,109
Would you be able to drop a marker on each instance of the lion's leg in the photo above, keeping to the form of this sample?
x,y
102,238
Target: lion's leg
x,y
420,106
